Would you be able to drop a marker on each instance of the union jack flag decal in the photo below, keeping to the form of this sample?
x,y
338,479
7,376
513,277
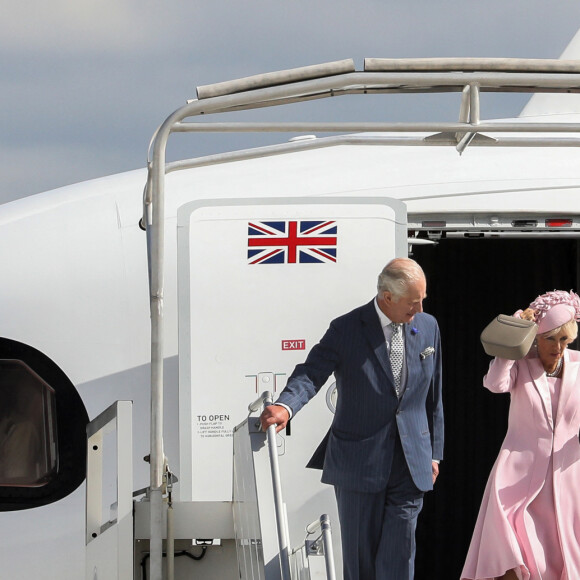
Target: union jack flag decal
x,y
291,242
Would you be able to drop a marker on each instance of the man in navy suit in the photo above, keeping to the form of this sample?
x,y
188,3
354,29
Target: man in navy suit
x,y
386,439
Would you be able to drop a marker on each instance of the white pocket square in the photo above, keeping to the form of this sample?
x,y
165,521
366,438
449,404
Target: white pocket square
x,y
427,352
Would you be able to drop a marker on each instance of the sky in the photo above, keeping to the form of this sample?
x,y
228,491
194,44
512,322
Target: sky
x,y
85,83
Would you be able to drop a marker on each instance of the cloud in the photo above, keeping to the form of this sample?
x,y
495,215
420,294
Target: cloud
x,y
85,83
60,25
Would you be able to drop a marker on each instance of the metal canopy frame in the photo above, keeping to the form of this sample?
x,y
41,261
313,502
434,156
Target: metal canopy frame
x,y
470,77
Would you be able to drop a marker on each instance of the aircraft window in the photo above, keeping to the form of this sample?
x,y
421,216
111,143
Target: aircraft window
x,y
27,426
42,429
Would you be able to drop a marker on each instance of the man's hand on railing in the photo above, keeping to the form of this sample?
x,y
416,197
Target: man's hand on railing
x,y
274,415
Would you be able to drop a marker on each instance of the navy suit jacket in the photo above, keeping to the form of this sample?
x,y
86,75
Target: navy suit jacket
x,y
360,444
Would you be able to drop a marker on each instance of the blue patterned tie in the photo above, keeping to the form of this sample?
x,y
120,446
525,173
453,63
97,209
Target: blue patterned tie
x,y
396,354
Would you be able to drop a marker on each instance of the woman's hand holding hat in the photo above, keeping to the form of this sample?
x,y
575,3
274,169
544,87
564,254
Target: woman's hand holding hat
x,y
528,314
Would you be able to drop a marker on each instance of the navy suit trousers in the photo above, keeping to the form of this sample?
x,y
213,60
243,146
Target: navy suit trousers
x,y
378,529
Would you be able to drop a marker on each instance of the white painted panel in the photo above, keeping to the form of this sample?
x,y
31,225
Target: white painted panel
x,y
241,323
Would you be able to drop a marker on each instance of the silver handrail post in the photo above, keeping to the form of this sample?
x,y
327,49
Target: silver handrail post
x,y
328,549
322,524
154,213
281,525
280,518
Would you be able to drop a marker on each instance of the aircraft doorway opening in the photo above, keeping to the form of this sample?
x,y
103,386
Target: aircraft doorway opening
x,y
42,429
469,282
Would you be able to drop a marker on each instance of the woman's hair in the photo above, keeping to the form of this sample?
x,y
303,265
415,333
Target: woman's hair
x,y
571,329
398,275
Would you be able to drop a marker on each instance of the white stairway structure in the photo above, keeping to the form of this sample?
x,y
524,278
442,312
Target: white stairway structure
x,y
245,538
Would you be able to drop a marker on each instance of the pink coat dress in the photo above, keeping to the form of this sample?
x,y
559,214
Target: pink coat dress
x,y
529,518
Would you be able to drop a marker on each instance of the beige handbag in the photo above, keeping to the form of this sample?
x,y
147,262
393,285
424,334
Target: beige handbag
x,y
508,337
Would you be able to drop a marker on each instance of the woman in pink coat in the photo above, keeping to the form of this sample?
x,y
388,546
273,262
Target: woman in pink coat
x,y
528,526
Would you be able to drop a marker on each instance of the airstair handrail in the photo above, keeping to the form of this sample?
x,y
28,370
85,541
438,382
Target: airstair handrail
x,y
263,400
281,525
323,525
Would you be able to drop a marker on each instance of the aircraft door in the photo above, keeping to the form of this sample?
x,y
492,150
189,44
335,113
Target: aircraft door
x,y
259,281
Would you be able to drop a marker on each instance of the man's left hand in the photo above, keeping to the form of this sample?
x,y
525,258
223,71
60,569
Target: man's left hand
x,y
435,470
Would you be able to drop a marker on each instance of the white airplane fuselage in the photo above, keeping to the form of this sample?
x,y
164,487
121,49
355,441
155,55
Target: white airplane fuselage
x,y
75,278
74,299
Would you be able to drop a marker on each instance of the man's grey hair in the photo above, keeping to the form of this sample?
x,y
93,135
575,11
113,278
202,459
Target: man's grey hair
x,y
398,275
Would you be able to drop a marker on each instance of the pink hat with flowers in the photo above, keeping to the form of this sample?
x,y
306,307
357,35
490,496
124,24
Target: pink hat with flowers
x,y
553,309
